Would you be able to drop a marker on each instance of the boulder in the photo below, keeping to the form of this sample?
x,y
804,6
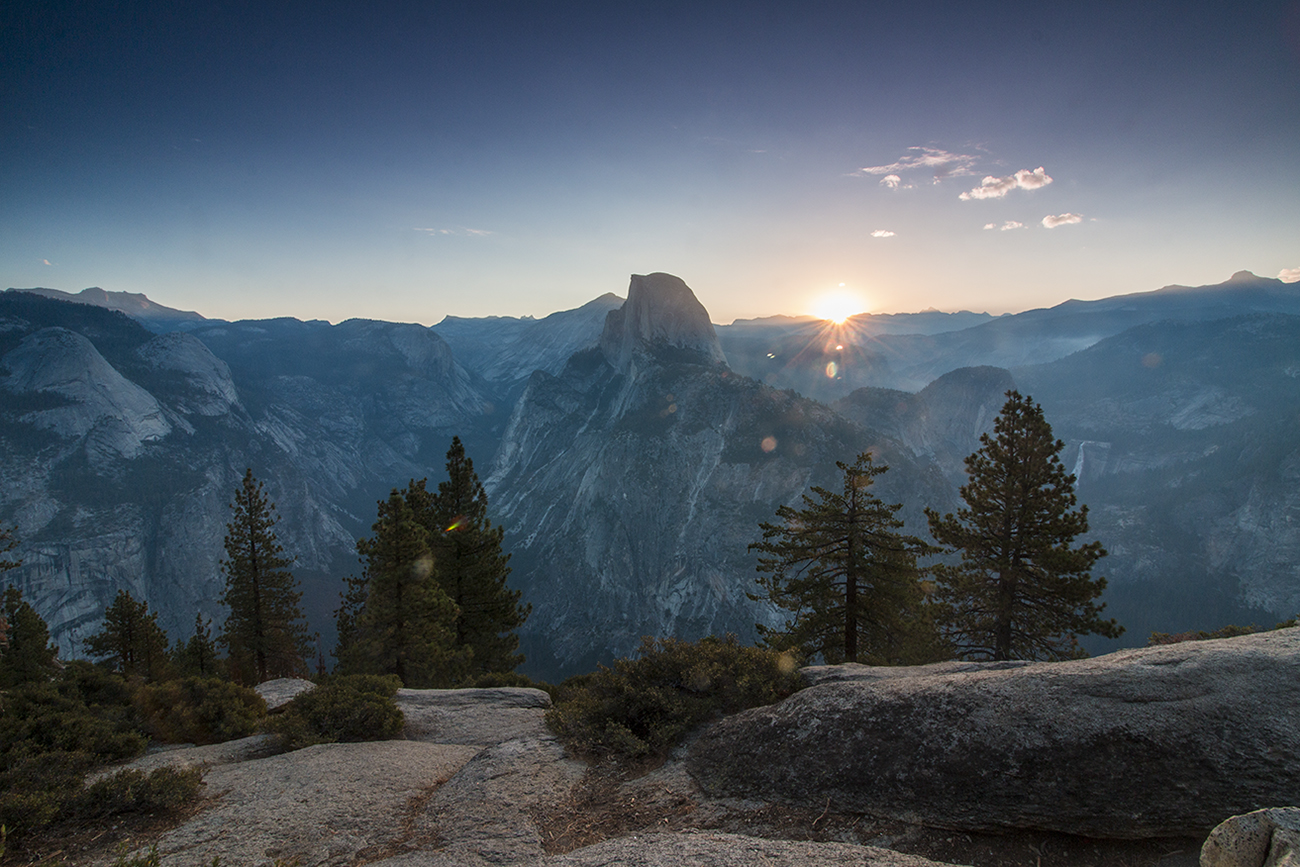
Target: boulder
x,y
482,717
1263,838
1163,741
279,692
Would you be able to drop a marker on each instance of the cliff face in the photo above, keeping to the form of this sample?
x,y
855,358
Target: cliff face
x,y
120,450
634,481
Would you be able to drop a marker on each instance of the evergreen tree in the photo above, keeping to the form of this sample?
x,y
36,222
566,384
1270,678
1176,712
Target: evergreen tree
x,y
471,567
397,619
198,656
131,639
849,576
7,544
27,655
1021,590
265,634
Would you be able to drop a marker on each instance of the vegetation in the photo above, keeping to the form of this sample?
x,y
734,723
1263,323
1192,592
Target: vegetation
x,y
1021,590
1229,631
643,707
26,655
432,606
198,656
131,640
849,576
265,634
347,708
199,710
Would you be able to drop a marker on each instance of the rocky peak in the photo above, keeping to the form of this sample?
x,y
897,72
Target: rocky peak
x,y
661,314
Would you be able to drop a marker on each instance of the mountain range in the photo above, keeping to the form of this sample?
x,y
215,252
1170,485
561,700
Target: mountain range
x,y
630,447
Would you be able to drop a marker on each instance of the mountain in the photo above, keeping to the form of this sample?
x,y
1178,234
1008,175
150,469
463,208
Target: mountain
x,y
862,357
152,315
632,483
120,449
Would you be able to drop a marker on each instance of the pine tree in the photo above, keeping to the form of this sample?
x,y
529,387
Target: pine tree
x,y
197,657
849,576
131,639
1021,590
27,655
265,634
397,619
7,543
471,567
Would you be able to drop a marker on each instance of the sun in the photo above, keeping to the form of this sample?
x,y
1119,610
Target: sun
x,y
838,305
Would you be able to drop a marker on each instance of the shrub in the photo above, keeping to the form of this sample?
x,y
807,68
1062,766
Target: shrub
x,y
133,791
1229,631
350,708
645,707
200,710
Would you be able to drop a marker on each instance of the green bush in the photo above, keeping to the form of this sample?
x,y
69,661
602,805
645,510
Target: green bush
x,y
133,791
349,708
200,710
1229,631
645,707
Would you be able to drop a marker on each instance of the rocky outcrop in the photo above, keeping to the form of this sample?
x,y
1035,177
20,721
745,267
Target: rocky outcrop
x,y
1263,838
661,315
1162,741
730,850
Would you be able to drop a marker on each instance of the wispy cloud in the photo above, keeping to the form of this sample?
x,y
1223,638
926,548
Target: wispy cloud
x,y
461,232
1052,221
939,162
995,188
46,261
891,181
1289,275
883,233
1007,226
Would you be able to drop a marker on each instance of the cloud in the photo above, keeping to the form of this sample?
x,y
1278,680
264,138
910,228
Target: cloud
x,y
995,188
882,233
461,232
1052,222
1289,275
46,261
891,181
1009,224
943,163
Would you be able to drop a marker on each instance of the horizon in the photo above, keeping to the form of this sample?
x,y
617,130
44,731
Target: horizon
x,y
411,161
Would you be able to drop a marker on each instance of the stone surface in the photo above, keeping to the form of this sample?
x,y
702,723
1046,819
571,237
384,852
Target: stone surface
x,y
729,850
484,717
1263,838
207,756
279,692
1164,741
327,804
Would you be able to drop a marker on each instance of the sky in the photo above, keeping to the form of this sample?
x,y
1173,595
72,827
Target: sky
x,y
408,161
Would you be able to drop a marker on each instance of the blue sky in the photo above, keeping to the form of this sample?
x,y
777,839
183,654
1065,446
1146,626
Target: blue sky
x,y
407,161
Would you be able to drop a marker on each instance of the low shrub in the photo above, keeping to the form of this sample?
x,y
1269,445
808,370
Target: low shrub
x,y
646,706
133,791
199,710
1229,631
348,708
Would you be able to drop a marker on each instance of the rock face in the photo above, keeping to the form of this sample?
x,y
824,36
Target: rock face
x,y
1264,838
1163,741
632,484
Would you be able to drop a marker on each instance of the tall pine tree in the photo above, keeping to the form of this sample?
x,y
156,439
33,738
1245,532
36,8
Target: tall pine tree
x,y
850,578
26,655
131,639
265,634
1022,590
397,619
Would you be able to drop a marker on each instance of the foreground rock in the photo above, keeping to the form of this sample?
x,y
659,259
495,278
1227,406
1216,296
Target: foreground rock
x,y
730,850
484,717
1264,838
1165,741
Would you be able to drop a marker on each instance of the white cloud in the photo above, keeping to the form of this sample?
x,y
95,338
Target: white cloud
x,y
882,233
990,225
462,232
943,163
1289,275
46,261
1052,222
995,188
891,181
1008,225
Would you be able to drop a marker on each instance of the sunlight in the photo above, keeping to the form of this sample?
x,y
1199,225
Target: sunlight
x,y
838,305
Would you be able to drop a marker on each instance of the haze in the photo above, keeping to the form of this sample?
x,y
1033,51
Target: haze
x,y
406,161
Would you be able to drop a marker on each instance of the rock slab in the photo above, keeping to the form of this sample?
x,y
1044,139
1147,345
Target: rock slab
x,y
1263,838
1164,741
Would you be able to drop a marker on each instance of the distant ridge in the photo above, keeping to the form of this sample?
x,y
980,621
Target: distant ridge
x,y
133,304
